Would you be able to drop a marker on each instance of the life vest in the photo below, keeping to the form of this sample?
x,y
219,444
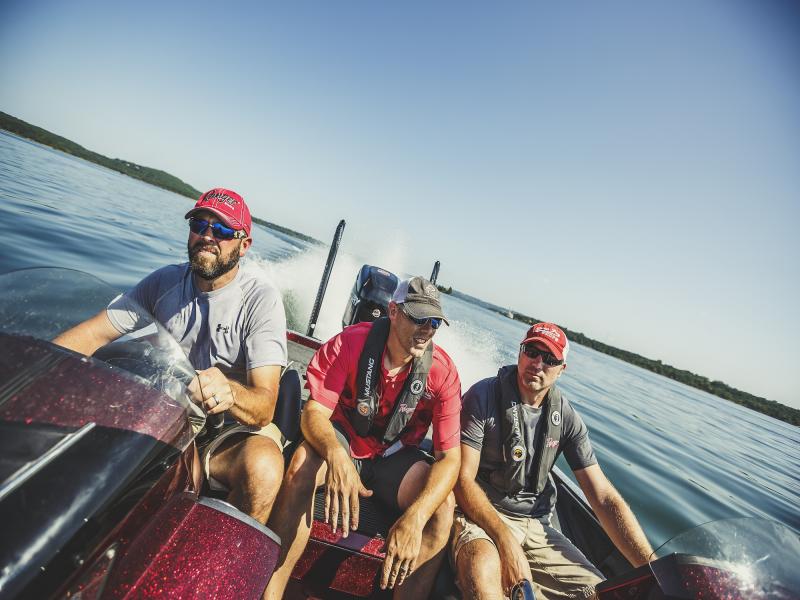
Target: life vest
x,y
369,374
513,477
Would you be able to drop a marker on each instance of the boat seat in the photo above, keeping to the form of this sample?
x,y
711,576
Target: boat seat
x,y
289,405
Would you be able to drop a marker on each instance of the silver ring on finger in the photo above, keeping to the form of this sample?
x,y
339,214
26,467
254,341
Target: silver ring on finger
x,y
216,401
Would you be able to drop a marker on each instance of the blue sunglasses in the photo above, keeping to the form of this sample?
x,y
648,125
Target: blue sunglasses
x,y
435,323
218,230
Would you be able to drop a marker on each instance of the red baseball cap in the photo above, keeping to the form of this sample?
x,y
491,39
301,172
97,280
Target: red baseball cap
x,y
229,206
551,336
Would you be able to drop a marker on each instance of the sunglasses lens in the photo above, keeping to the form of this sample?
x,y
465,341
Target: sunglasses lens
x,y
222,232
533,353
198,226
218,230
435,323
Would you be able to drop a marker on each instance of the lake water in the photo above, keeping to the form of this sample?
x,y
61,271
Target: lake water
x,y
679,456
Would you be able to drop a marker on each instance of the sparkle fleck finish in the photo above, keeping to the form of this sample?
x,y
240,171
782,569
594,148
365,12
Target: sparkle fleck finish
x,y
348,565
73,391
192,551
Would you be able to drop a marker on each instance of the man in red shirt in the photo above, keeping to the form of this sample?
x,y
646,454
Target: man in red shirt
x,y
375,390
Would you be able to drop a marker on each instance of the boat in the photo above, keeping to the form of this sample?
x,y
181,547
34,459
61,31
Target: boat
x,y
101,491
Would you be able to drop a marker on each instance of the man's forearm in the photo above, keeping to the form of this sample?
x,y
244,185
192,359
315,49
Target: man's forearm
x,y
319,432
621,525
88,336
441,479
474,503
251,405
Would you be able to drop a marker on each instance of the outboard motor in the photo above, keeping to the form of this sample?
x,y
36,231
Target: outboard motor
x,y
370,296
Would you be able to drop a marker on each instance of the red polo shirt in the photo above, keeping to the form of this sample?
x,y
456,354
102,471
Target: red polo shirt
x,y
331,379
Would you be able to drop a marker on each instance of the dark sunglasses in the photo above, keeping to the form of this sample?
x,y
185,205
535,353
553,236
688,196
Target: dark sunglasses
x,y
533,352
218,230
435,323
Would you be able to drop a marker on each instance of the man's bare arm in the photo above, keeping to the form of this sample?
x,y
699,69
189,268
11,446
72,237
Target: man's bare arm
x,y
405,537
476,506
615,515
251,404
90,335
342,482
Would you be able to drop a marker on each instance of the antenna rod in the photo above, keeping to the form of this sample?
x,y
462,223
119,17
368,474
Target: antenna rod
x,y
326,275
435,273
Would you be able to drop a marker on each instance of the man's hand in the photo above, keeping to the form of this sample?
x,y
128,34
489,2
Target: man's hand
x,y
211,390
342,489
514,566
402,549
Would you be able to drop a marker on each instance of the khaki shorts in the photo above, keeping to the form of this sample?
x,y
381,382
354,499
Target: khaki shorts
x,y
559,569
271,431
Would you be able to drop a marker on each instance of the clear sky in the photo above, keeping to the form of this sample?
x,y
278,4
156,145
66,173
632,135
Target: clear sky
x,y
630,170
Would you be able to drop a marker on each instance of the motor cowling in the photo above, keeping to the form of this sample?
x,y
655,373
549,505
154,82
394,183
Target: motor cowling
x,y
370,296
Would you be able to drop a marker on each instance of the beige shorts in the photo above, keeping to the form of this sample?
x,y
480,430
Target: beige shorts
x,y
271,431
559,569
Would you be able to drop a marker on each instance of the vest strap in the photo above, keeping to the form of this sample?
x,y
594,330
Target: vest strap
x,y
368,377
518,471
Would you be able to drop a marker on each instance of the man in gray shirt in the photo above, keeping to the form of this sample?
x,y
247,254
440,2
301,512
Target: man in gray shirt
x,y
230,322
513,427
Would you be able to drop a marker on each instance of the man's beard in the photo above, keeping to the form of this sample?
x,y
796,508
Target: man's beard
x,y
211,270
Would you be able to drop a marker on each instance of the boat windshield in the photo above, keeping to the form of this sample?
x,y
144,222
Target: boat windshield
x,y
743,558
44,302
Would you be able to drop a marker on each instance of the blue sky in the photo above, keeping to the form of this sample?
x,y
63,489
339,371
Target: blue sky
x,y
630,170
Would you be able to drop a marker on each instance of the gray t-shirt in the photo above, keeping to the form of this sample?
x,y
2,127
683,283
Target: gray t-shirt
x,y
481,428
238,327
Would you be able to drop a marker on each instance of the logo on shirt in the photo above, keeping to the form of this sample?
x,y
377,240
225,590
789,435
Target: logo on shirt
x,y
518,453
551,443
223,328
555,418
376,312
405,408
363,409
416,386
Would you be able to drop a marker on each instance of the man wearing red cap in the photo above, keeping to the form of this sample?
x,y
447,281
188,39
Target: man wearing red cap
x,y
230,322
513,427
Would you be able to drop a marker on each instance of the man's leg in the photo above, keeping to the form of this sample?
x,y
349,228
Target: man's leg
x,y
434,535
559,569
294,512
476,559
478,571
251,467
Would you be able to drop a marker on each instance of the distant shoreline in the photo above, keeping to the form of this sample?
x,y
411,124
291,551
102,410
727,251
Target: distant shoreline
x,y
154,177
171,183
717,388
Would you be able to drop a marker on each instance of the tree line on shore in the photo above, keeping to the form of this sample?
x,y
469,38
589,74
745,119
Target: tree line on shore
x,y
154,177
170,182
718,388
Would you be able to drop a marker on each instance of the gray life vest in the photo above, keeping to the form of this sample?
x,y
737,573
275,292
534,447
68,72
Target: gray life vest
x,y
513,478
369,374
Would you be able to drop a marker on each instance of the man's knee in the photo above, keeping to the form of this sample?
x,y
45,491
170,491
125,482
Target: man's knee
x,y
262,462
304,470
478,569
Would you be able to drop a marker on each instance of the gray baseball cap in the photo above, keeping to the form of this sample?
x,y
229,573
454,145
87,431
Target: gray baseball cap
x,y
420,298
